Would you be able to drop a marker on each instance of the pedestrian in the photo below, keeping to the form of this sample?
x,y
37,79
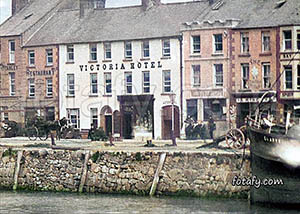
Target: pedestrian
x,y
211,127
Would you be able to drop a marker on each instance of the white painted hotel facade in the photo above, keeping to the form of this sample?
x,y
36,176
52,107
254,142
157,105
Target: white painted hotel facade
x,y
90,97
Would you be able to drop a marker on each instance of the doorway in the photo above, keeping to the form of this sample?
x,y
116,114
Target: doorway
x,y
127,125
167,122
108,124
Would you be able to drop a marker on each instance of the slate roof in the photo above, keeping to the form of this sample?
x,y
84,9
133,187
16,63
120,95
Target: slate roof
x,y
34,11
256,13
116,24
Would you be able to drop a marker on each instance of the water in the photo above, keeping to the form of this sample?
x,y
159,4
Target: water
x,y
45,202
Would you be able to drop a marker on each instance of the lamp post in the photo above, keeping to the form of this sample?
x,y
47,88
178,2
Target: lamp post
x,y
172,98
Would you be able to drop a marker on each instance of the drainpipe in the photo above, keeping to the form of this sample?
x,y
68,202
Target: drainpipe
x,y
181,81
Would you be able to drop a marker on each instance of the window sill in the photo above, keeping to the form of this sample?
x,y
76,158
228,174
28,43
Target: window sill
x,y
244,55
93,95
49,65
195,55
31,98
217,54
107,95
265,54
48,97
30,66
70,62
107,60
70,96
92,61
166,57
166,93
145,59
127,60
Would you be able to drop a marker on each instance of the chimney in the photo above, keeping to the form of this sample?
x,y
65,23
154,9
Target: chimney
x,y
17,5
147,4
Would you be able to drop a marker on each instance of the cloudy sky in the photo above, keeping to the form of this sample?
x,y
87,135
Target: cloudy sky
x,y
5,9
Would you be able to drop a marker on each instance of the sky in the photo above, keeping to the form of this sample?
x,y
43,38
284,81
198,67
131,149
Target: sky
x,y
5,10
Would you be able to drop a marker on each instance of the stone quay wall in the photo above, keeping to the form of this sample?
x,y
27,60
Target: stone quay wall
x,y
203,173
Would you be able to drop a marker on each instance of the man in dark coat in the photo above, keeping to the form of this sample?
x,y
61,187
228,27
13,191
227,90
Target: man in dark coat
x,y
211,127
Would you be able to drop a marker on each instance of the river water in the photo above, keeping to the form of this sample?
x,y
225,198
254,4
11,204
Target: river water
x,y
69,203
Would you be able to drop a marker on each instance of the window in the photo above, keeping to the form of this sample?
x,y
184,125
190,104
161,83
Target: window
x,y
50,114
107,83
244,43
31,87
196,44
214,108
12,86
93,52
128,50
287,37
49,87
70,53
31,58
94,84
218,46
128,83
196,75
145,49
73,116
70,85
266,70
166,81
5,116
107,50
298,77
166,49
266,41
298,40
218,75
49,57
192,109
12,49
94,117
245,76
288,77
146,82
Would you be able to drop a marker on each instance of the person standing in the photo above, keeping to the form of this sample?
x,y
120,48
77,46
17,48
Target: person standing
x,y
211,127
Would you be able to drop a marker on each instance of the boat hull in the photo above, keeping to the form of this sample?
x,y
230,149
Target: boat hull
x,y
266,163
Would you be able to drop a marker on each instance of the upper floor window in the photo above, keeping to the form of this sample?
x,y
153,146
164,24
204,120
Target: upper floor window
x,y
31,87
196,44
245,75
287,39
244,43
31,58
266,41
107,50
107,83
128,83
266,70
166,48
218,43
12,49
49,57
70,85
94,84
298,77
70,53
146,82
12,86
166,81
145,49
128,50
218,70
49,87
196,75
93,52
288,77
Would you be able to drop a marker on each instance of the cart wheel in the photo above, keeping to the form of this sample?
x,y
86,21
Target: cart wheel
x,y
43,134
235,139
32,133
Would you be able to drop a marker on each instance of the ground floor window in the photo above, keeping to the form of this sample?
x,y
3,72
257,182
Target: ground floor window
x,y
192,109
214,108
73,116
94,117
50,114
